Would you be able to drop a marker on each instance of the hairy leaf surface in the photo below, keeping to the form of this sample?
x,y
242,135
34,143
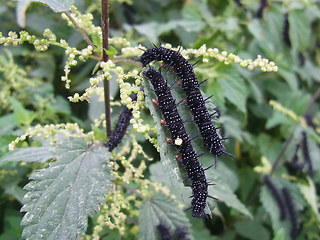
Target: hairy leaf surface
x,y
160,208
57,5
62,196
30,154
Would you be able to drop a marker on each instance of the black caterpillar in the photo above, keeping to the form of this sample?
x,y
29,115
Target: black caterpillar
x,y
238,3
263,5
179,234
191,87
310,122
188,156
295,160
292,213
276,194
286,37
121,126
164,232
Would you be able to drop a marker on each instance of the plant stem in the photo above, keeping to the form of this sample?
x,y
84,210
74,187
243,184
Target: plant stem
x,y
312,101
275,165
132,190
105,58
278,160
83,33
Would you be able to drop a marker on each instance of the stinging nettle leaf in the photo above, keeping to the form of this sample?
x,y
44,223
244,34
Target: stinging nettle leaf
x,y
111,52
30,154
237,92
250,229
271,208
299,30
223,192
57,5
160,208
62,196
21,9
22,115
310,194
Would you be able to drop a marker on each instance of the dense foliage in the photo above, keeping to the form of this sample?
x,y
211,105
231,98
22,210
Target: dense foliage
x,y
261,60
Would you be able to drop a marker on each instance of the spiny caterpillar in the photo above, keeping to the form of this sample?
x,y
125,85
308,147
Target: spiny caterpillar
x,y
305,154
286,37
292,212
277,196
191,87
187,155
263,5
121,126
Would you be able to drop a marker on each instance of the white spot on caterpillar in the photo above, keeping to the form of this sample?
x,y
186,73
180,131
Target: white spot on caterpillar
x,y
178,141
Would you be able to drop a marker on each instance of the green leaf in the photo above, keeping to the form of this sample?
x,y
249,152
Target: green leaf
x,y
233,127
300,29
223,192
23,115
191,12
256,91
149,29
30,154
268,33
158,175
279,235
271,207
61,105
21,9
310,194
200,231
62,196
269,147
290,77
11,228
97,41
57,5
252,230
152,30
111,52
235,90
7,123
160,208
215,88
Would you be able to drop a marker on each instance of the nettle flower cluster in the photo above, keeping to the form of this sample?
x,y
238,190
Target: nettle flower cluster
x,y
13,79
83,20
51,131
264,64
117,202
303,121
289,113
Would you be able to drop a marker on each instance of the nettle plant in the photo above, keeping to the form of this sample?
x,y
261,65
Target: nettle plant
x,y
92,174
